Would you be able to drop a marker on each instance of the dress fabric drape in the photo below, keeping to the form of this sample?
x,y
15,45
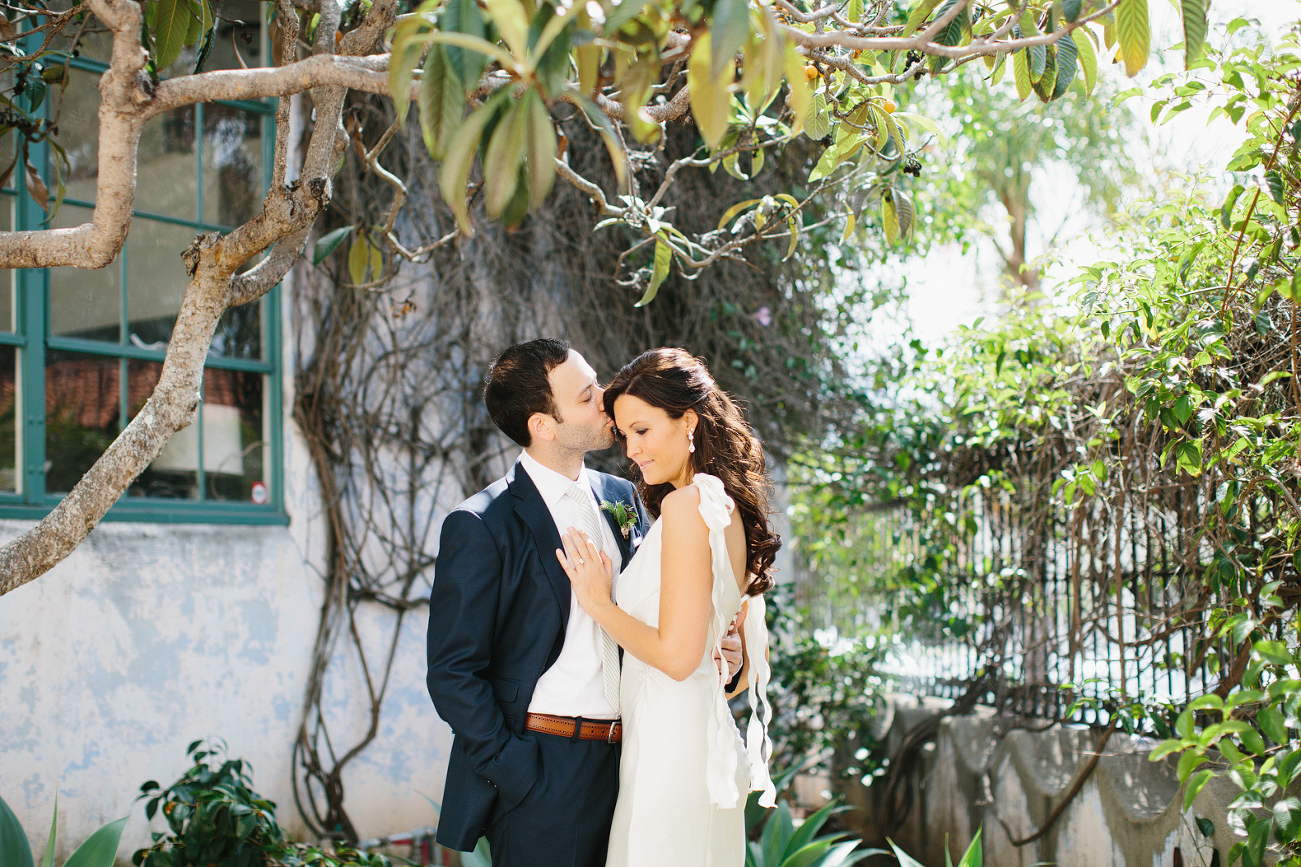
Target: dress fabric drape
x,y
684,769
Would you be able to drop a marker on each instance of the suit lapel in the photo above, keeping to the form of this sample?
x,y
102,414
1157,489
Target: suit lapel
x,y
608,492
533,510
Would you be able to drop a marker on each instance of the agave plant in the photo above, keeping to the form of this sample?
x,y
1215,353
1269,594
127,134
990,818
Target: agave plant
x,y
971,858
782,844
98,850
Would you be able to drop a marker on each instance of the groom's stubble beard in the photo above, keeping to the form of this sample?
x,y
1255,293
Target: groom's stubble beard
x,y
584,438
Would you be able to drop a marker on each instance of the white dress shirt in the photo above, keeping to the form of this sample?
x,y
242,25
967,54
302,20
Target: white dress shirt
x,y
573,685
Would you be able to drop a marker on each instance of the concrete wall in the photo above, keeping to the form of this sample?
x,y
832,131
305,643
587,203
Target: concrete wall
x,y
150,636
1129,811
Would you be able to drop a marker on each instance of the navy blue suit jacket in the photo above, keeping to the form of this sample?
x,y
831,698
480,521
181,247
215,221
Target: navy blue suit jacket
x,y
497,616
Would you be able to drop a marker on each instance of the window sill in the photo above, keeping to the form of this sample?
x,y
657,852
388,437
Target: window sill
x,y
164,512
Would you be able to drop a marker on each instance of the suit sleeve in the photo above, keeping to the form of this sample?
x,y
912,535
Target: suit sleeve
x,y
462,611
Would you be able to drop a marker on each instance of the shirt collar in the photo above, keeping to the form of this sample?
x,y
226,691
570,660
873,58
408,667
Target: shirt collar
x,y
551,484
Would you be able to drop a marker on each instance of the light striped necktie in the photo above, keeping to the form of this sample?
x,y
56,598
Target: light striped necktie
x,y
609,649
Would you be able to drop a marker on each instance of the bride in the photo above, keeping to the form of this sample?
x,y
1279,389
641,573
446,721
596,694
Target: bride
x,y
684,768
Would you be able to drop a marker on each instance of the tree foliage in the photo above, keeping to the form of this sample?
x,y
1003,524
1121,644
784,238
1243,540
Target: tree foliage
x,y
1165,408
493,83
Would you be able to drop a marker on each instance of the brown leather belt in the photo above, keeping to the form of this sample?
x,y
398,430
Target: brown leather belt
x,y
610,731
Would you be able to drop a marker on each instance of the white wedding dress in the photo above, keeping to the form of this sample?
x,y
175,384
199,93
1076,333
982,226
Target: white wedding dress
x,y
684,770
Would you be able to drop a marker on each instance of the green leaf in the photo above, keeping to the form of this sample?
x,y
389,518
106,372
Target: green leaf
x,y
1021,73
328,242
1088,59
1045,84
1164,749
552,29
501,161
952,32
1274,180
459,160
889,217
171,24
1274,651
613,144
819,124
359,259
729,29
903,205
1067,65
1195,785
463,16
100,848
541,149
731,213
710,99
920,13
512,23
14,848
793,227
1287,820
1071,9
1226,210
973,857
194,30
48,860
1271,723
663,259
441,100
1194,17
924,122
1038,62
807,830
1134,34
402,67
905,860
800,97
1189,762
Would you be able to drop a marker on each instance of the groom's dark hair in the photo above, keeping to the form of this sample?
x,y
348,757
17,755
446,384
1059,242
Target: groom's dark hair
x,y
517,385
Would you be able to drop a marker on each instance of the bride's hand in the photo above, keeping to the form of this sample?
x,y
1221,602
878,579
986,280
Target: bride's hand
x,y
591,574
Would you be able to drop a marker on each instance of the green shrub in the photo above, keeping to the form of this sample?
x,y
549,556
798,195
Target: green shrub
x,y
216,819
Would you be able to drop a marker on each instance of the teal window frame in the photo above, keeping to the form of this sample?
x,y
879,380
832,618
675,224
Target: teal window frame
x,y
32,339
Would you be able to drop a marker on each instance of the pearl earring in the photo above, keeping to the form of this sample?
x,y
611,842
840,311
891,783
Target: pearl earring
x,y
691,441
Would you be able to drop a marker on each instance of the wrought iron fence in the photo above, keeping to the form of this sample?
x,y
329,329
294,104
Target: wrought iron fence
x,y
1035,604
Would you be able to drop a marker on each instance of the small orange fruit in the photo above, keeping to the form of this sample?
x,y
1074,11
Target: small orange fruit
x,y
890,107
811,72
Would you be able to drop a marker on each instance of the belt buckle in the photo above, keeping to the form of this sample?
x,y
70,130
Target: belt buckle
x,y
609,734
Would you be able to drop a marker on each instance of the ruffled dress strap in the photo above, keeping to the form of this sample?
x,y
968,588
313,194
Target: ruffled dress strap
x,y
716,507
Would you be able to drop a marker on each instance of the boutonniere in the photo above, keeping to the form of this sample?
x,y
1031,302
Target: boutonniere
x,y
625,517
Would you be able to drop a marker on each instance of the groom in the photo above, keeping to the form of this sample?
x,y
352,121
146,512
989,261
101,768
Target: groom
x,y
518,670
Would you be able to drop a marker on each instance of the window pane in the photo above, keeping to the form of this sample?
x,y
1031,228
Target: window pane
x,y
235,439
239,333
85,303
232,165
165,179
8,429
81,415
238,30
174,473
7,276
78,120
156,280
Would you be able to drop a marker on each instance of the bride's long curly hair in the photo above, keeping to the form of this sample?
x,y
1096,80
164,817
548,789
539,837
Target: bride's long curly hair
x,y
675,381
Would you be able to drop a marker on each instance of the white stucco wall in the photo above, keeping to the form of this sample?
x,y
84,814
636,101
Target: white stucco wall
x,y
150,636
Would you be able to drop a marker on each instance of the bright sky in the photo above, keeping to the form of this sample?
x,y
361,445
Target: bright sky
x,y
950,289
